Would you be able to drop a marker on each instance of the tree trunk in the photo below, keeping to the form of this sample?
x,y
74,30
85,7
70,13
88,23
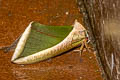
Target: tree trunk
x,y
103,17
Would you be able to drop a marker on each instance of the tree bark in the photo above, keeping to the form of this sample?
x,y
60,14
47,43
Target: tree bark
x,y
103,17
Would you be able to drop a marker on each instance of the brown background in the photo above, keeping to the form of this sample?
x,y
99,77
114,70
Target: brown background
x,y
15,15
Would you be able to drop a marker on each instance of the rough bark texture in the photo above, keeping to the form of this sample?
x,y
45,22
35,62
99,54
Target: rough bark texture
x,y
103,17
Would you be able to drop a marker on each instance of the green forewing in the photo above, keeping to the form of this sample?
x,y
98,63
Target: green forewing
x,y
42,37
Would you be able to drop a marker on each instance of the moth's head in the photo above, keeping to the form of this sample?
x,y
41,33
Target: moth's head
x,y
78,26
79,29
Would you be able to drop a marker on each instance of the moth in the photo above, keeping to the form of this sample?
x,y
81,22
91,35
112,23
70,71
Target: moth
x,y
40,42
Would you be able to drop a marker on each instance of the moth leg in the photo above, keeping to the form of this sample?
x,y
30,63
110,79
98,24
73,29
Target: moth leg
x,y
10,47
81,48
86,45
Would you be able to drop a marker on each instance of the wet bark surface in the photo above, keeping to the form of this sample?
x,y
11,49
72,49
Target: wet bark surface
x,y
15,15
103,17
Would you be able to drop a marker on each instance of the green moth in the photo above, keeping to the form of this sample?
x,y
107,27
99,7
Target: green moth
x,y
40,42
